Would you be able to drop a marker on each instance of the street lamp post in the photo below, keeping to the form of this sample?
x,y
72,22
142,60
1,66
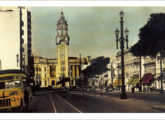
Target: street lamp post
x,y
118,75
112,74
17,57
161,74
23,59
80,74
122,40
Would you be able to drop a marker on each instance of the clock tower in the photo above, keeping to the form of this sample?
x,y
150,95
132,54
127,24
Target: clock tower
x,y
62,42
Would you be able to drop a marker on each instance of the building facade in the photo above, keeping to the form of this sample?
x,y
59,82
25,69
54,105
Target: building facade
x,y
134,69
46,71
145,69
0,65
63,71
114,73
15,38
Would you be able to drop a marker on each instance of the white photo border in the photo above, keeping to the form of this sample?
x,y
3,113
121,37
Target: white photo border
x,y
83,116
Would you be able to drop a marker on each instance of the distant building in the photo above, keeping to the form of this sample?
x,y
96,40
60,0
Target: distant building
x,y
132,69
148,79
0,65
157,83
46,71
114,73
63,71
15,38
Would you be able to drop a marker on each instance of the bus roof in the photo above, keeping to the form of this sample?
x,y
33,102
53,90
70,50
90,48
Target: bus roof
x,y
11,71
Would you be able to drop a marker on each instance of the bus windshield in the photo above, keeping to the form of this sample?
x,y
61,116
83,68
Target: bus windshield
x,y
10,84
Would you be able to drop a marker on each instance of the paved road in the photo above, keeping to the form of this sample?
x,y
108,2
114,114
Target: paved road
x,y
76,102
50,102
42,102
88,103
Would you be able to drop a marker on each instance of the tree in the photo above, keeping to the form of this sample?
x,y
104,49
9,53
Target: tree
x,y
152,39
98,66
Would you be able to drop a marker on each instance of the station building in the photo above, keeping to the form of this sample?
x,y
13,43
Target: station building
x,y
63,71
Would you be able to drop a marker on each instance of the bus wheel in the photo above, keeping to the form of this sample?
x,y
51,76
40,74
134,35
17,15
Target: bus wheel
x,y
26,98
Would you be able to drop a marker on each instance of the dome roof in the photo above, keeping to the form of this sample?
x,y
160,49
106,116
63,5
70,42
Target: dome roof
x,y
62,20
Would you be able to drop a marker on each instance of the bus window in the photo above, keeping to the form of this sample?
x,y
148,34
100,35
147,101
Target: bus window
x,y
2,85
12,84
7,78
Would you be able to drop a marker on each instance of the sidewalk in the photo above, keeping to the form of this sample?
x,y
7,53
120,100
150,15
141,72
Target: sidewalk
x,y
159,107
136,101
144,105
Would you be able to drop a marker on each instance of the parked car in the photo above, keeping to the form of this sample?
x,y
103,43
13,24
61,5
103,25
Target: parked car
x,y
75,88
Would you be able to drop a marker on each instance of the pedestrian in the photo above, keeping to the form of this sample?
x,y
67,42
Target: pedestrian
x,y
133,89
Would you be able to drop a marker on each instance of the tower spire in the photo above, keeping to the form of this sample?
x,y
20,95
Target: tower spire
x,y
62,42
62,30
62,12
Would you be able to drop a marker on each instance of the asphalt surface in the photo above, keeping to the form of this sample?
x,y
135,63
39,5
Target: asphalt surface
x,y
50,102
88,103
76,102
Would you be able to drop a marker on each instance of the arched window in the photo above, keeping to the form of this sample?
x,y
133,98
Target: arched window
x,y
45,82
53,82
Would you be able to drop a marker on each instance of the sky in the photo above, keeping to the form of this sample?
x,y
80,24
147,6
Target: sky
x,y
91,29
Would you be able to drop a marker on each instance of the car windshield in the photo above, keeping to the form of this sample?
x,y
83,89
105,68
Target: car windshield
x,y
12,84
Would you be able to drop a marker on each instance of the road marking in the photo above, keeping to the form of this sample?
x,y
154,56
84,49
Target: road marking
x,y
69,104
54,108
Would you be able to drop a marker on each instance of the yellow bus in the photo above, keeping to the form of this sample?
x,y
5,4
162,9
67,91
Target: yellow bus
x,y
14,90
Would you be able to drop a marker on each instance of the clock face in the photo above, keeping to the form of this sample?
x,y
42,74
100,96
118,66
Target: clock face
x,y
62,26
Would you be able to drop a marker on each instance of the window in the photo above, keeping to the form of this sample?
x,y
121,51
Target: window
x,y
62,56
61,26
62,62
62,50
37,69
53,82
52,71
12,84
2,85
45,82
62,68
62,32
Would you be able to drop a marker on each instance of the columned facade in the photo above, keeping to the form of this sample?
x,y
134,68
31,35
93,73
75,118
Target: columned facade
x,y
63,71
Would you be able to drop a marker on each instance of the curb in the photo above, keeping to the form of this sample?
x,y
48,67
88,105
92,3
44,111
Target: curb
x,y
159,107
129,99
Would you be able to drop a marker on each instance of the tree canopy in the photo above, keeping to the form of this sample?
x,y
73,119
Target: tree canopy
x,y
97,67
151,37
